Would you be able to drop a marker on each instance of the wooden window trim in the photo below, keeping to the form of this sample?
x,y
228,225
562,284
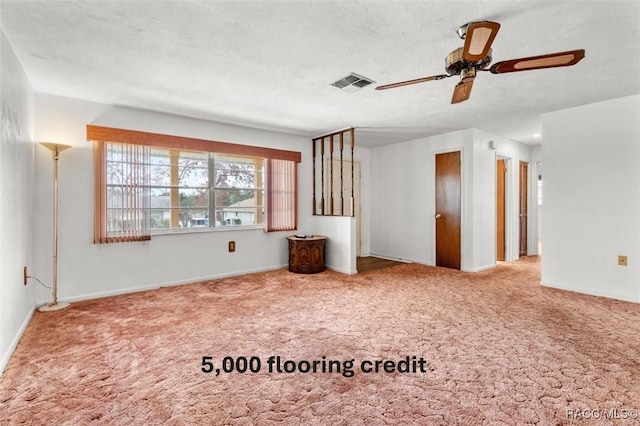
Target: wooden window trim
x,y
100,194
111,134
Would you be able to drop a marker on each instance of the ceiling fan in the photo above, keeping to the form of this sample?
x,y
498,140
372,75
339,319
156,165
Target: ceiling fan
x,y
475,56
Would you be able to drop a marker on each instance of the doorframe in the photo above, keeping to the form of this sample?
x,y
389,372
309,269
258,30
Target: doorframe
x,y
504,206
463,240
528,209
508,204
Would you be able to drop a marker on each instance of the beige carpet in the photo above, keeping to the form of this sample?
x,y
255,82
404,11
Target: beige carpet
x,y
498,349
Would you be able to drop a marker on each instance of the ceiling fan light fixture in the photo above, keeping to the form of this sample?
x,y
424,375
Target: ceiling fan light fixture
x,y
468,74
454,63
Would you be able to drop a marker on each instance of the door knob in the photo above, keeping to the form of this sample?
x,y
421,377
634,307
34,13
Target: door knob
x,y
438,215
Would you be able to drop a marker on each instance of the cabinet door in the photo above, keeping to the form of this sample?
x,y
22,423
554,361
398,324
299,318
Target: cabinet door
x,y
303,255
317,256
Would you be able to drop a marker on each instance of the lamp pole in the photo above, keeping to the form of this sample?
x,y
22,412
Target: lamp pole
x,y
54,305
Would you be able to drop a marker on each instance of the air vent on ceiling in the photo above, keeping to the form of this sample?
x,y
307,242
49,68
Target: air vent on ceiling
x,y
352,82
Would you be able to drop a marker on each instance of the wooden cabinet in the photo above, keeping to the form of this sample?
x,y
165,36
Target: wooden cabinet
x,y
306,255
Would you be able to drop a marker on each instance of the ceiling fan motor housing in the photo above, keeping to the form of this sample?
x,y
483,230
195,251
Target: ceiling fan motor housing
x,y
455,63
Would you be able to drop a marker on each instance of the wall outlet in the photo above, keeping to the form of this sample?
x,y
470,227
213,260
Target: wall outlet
x,y
26,275
232,246
622,260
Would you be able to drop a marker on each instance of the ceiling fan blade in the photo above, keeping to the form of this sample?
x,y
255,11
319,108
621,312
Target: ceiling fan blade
x,y
552,60
462,91
415,81
478,40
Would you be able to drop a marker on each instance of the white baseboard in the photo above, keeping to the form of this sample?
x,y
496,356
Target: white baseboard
x,y
422,262
128,290
341,270
226,275
102,294
482,268
591,292
397,259
16,339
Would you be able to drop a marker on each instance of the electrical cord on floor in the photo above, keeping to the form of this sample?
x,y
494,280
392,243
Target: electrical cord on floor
x,y
41,283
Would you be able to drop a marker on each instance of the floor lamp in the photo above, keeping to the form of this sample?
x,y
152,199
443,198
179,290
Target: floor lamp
x,y
54,305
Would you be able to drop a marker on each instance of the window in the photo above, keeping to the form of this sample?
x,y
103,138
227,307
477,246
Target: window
x,y
179,190
159,187
239,190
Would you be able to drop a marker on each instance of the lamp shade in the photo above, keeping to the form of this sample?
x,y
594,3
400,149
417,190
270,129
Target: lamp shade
x,y
55,147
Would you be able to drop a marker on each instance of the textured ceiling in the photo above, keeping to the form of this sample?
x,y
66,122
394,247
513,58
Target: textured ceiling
x,y
270,64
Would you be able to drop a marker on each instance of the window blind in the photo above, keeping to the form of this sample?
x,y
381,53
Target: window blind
x,y
122,193
281,195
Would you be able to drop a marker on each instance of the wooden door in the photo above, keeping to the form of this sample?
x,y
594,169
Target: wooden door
x,y
524,197
448,210
501,173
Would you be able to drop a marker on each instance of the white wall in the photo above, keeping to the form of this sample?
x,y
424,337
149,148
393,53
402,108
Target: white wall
x,y
364,156
484,163
340,247
17,179
592,198
402,205
483,201
535,210
87,270
403,197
